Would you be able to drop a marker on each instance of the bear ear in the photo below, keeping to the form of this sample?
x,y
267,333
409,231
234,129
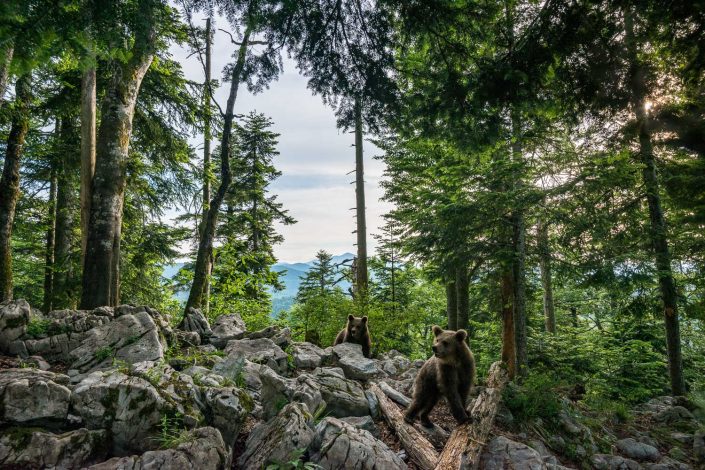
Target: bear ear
x,y
364,319
351,317
461,335
436,330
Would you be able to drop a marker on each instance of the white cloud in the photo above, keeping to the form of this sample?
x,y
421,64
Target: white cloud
x,y
315,157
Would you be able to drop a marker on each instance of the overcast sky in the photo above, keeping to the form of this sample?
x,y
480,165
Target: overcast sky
x,y
314,159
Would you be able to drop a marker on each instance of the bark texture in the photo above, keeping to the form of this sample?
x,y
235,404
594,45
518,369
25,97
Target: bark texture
x,y
464,447
10,180
101,280
452,305
88,149
509,355
462,284
419,449
5,61
658,232
549,313
205,246
207,159
361,272
47,304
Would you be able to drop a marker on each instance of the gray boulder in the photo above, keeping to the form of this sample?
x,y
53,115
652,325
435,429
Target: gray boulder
x,y
225,328
33,396
613,462
195,321
667,463
203,448
349,357
501,453
14,317
340,445
343,397
279,439
27,448
637,450
393,362
129,338
226,409
306,355
277,391
260,351
131,407
366,423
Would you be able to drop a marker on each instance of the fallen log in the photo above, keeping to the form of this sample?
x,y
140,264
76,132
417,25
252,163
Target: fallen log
x,y
435,435
463,449
394,395
419,449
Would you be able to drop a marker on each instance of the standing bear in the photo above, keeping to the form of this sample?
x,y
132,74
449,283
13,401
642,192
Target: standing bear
x,y
356,332
449,373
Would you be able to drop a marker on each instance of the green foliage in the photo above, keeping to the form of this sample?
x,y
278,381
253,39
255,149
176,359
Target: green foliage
x,y
536,397
294,462
104,353
37,327
172,432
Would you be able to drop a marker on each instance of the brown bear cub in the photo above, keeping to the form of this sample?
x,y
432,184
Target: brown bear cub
x,y
356,332
449,373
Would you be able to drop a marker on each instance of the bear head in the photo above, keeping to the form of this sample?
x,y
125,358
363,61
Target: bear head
x,y
357,327
447,342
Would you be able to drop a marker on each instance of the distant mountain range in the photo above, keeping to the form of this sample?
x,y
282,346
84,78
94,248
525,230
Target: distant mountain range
x,y
291,279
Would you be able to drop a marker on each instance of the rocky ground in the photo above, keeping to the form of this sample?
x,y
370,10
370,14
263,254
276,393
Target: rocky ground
x,y
120,388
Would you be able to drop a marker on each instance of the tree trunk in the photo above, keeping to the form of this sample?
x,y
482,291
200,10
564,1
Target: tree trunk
x,y
10,181
463,449
88,135
546,279
658,231
462,284
65,205
205,246
574,316
5,61
419,449
49,257
361,273
452,304
509,355
207,95
102,258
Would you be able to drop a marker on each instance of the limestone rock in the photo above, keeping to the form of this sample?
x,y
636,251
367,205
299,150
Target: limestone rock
x,y
226,410
349,357
613,462
203,449
306,355
27,448
365,423
129,338
276,391
501,453
227,327
14,317
340,445
636,450
195,321
261,351
33,396
343,397
129,407
279,439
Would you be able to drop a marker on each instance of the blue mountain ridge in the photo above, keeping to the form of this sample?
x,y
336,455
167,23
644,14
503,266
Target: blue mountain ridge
x,y
291,279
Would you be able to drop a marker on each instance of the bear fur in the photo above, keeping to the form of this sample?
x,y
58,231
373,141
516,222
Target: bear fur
x,y
356,331
449,373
